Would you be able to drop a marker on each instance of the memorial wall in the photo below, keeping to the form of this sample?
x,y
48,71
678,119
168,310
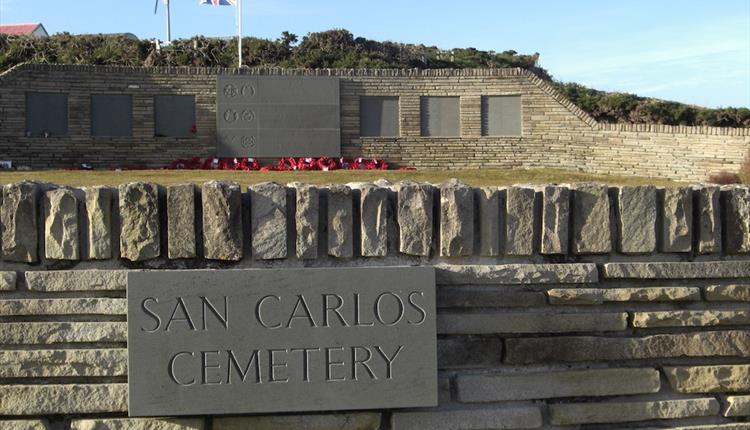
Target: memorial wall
x,y
374,306
61,116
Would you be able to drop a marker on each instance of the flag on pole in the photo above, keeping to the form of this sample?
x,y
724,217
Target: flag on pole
x,y
238,14
219,2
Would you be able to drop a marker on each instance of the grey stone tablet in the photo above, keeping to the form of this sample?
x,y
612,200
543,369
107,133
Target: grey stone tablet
x,y
440,116
46,114
277,116
111,115
174,116
501,115
204,342
378,116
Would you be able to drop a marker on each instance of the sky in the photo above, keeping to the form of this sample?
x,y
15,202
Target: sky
x,y
692,51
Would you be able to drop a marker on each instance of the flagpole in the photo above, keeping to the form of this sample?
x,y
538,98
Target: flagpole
x,y
169,23
239,30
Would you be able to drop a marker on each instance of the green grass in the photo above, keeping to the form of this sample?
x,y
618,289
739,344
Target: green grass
x,y
473,177
484,177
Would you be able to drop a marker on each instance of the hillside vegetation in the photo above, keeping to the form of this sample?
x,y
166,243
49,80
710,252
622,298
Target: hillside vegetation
x,y
340,49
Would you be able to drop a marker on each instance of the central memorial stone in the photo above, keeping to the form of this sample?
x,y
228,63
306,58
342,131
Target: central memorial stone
x,y
204,342
277,116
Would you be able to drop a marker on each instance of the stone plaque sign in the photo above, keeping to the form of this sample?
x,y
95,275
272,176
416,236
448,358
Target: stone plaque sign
x,y
206,342
277,116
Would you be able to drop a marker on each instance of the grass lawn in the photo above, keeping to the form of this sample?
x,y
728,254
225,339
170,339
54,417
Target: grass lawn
x,y
473,177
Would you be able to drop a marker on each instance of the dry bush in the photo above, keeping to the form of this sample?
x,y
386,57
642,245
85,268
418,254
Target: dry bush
x,y
724,178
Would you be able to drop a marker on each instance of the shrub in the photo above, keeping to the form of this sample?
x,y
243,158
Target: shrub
x,y
724,178
339,48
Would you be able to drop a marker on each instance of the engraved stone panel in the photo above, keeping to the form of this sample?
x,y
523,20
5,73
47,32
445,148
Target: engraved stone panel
x,y
273,340
111,115
501,116
440,116
378,116
174,116
277,116
46,114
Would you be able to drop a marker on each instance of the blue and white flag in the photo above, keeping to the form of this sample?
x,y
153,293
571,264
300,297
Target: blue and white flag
x,y
219,2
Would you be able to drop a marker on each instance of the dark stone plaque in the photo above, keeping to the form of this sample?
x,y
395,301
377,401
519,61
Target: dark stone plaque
x,y
277,116
205,342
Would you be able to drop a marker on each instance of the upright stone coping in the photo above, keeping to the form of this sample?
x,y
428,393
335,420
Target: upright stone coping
x,y
520,204
222,220
709,219
268,211
737,219
677,220
456,219
181,241
406,219
61,225
491,220
415,218
306,219
374,220
637,211
555,220
591,215
18,219
98,208
139,221
340,221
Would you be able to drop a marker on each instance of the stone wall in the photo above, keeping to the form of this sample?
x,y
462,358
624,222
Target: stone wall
x,y
559,307
555,133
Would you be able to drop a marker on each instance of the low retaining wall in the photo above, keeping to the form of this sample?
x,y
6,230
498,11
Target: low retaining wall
x,y
580,307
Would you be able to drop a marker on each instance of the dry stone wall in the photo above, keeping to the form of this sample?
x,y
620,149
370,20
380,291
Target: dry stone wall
x,y
555,133
559,307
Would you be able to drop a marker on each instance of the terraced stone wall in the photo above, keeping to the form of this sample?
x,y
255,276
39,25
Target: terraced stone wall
x,y
554,132
559,307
